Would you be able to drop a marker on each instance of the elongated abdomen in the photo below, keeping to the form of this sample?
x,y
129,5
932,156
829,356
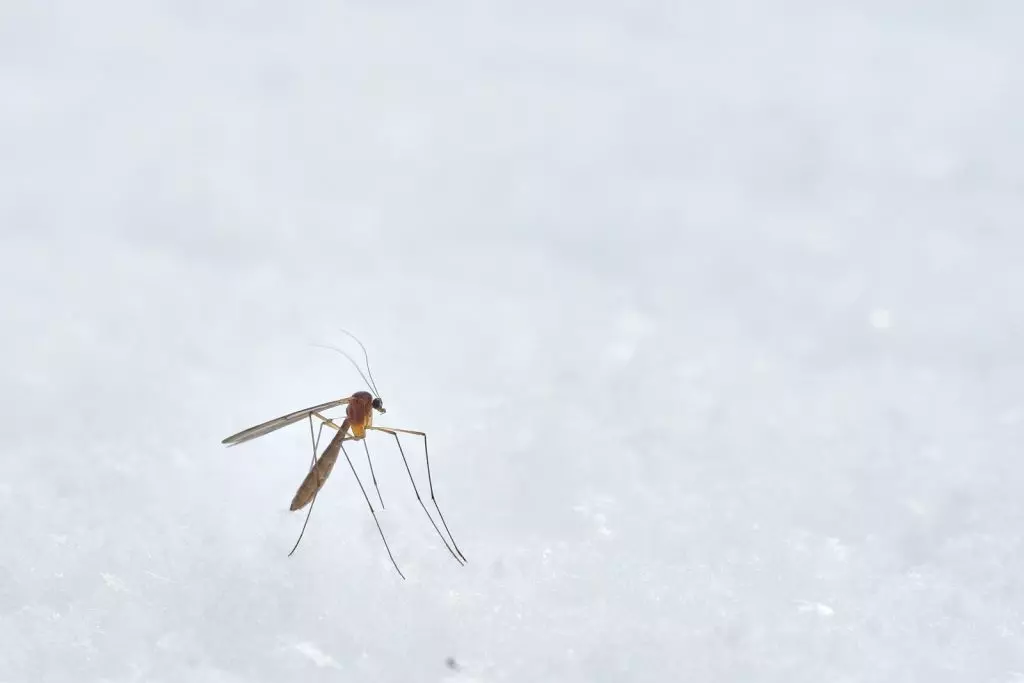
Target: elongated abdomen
x,y
314,481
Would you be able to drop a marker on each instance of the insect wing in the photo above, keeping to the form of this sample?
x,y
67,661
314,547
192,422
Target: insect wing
x,y
278,422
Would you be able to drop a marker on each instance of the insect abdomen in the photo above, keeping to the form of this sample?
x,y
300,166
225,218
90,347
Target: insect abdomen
x,y
314,481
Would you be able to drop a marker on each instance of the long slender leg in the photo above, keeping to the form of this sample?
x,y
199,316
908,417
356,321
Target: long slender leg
x,y
316,442
430,481
311,485
370,505
415,489
327,422
372,475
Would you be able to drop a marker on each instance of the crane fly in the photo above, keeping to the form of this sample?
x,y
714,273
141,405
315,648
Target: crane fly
x,y
359,411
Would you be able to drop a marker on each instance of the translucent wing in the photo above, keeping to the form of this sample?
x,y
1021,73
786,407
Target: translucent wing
x,y
283,421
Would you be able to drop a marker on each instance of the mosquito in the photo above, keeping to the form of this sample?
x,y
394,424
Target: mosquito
x,y
359,412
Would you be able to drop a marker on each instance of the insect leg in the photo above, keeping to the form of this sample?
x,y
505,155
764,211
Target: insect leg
x,y
315,442
370,505
430,481
417,492
372,475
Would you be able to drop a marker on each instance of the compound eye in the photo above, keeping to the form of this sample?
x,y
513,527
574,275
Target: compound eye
x,y
378,404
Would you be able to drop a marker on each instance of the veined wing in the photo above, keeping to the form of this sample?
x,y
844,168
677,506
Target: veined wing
x,y
283,421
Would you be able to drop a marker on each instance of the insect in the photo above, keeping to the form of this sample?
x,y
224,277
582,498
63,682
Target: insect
x,y
359,412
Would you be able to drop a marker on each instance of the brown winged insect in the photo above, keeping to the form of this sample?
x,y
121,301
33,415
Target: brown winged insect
x,y
359,410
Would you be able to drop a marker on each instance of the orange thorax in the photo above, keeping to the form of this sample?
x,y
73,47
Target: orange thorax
x,y
359,413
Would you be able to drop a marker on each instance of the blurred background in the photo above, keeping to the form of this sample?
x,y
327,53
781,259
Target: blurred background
x,y
712,312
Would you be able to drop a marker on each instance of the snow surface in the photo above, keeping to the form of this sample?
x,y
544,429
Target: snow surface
x,y
713,313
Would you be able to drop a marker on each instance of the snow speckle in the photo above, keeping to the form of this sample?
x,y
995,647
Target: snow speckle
x,y
821,609
880,319
316,655
114,583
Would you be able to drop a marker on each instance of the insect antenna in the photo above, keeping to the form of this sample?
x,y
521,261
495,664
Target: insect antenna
x,y
353,362
366,357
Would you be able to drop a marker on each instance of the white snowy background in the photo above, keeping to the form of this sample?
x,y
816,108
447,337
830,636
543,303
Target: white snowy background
x,y
713,313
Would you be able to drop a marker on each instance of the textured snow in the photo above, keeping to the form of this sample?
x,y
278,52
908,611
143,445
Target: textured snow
x,y
713,313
